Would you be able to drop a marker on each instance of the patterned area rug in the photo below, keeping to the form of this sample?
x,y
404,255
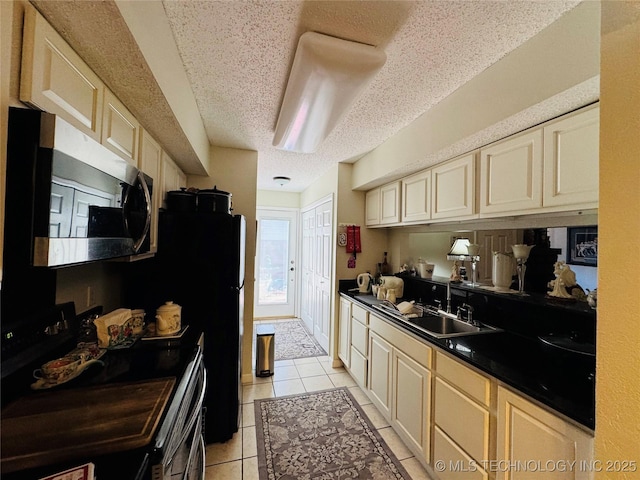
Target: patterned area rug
x,y
293,340
321,435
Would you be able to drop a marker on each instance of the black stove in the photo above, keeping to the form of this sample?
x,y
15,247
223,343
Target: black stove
x,y
54,332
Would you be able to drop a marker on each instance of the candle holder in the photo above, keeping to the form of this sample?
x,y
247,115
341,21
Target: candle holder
x,y
473,250
521,254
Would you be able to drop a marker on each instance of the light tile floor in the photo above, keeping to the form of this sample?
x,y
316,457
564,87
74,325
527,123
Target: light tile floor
x,y
237,458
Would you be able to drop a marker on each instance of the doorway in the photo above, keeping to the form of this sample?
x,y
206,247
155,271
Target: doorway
x,y
275,291
317,271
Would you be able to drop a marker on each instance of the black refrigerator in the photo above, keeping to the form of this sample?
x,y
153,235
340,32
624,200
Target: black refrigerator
x,y
200,265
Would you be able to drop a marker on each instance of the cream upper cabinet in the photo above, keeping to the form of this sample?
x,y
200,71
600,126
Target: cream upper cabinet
x,y
55,79
372,207
344,330
571,157
390,203
171,176
511,174
416,197
382,205
528,433
120,129
453,189
150,162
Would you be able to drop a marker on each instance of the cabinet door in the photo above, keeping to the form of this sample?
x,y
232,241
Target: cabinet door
x,y
511,174
416,197
120,129
571,157
170,177
462,419
344,340
380,373
372,207
528,433
458,465
359,336
390,203
358,367
150,162
55,79
411,401
453,188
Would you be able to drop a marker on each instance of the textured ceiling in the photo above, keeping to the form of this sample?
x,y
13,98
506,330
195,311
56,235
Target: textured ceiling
x,y
237,56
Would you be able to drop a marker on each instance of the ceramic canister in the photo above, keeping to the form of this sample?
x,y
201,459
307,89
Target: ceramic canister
x,y
502,270
168,319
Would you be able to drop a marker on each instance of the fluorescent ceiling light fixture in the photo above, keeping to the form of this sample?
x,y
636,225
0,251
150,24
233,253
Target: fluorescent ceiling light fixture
x,y
327,76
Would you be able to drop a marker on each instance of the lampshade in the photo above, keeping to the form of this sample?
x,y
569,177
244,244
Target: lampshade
x,y
326,77
459,250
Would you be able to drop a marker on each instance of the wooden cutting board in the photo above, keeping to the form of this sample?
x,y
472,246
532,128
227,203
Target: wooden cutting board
x,y
53,427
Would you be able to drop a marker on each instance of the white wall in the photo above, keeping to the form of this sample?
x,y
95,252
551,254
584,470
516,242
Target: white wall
x,y
235,171
560,58
351,211
274,199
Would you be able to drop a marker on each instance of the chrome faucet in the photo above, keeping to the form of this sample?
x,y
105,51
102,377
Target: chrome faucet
x,y
468,309
448,297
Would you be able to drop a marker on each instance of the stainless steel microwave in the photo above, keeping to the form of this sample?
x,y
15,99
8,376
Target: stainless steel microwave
x,y
72,199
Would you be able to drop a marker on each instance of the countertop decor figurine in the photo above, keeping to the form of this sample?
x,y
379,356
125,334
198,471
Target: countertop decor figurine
x,y
455,273
563,279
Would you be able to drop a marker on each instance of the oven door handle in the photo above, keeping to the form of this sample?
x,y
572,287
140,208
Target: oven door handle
x,y
198,452
197,411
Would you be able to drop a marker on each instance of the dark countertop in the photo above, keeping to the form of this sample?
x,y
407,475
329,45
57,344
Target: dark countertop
x,y
145,360
564,382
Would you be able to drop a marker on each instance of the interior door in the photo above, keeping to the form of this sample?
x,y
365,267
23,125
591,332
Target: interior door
x,y
322,255
307,301
276,267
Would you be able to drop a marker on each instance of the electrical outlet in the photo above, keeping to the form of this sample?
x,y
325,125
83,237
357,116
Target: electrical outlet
x,y
91,297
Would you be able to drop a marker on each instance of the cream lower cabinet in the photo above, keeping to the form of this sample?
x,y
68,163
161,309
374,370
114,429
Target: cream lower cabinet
x,y
380,373
411,401
359,344
462,421
544,445
400,383
344,330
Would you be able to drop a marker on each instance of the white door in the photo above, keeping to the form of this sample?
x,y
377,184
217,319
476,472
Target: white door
x,y
276,263
307,295
322,281
317,251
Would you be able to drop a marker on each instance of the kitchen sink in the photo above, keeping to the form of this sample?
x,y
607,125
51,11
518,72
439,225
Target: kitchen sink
x,y
438,326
